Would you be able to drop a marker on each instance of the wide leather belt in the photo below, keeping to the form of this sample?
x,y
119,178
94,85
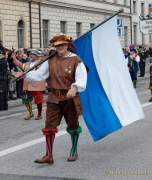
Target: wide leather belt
x,y
60,93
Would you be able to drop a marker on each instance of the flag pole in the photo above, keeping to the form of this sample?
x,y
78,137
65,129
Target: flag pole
x,y
103,22
52,54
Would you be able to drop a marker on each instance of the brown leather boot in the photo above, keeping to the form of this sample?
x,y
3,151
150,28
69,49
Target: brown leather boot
x,y
38,117
49,135
72,158
44,160
28,117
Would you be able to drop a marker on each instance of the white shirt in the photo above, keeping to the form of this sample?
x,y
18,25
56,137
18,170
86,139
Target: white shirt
x,y
42,73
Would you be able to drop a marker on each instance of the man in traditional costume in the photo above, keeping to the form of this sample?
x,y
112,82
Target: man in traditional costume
x,y
67,77
32,89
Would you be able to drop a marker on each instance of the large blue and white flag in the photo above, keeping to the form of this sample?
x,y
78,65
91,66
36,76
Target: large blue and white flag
x,y
109,101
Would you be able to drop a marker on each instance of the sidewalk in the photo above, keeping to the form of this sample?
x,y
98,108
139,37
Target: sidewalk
x,y
14,103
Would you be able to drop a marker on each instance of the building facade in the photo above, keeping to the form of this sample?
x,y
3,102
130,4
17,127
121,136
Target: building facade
x,y
77,17
31,23
140,8
19,23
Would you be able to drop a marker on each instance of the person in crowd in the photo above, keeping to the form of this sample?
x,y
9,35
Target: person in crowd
x,y
67,76
150,54
3,81
150,72
150,51
32,89
19,84
143,55
133,64
126,54
132,47
27,55
11,82
150,83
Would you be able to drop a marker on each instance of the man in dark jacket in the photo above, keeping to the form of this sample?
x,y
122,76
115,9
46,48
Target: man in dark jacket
x,y
3,81
143,55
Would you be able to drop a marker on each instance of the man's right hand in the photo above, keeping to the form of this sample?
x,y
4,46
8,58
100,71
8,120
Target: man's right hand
x,y
19,74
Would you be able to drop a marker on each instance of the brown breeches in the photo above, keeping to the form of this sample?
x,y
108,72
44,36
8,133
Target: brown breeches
x,y
55,112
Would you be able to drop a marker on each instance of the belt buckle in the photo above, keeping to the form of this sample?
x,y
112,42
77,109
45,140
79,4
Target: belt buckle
x,y
57,92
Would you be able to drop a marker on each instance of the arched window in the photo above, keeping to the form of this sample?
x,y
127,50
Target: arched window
x,y
20,32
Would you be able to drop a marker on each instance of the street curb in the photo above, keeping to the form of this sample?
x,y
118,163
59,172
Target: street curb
x,y
15,103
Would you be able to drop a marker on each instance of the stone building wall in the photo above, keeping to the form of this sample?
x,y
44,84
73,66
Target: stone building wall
x,y
11,12
56,12
85,11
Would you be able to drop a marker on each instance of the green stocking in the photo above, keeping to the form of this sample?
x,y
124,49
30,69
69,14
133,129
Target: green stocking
x,y
29,108
74,138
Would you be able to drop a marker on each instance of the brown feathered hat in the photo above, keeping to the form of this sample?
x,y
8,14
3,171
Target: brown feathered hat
x,y
60,39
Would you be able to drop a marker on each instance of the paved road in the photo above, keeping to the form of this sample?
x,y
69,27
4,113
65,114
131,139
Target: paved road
x,y
126,154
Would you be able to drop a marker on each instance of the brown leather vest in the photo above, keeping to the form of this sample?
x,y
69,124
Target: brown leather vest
x,y
62,75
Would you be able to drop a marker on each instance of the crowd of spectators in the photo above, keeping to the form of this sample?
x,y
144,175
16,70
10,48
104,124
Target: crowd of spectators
x,y
9,88
136,59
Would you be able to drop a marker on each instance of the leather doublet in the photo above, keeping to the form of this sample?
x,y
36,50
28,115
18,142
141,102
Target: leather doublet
x,y
62,75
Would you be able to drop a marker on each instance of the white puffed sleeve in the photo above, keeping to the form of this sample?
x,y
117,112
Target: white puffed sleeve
x,y
80,77
42,73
